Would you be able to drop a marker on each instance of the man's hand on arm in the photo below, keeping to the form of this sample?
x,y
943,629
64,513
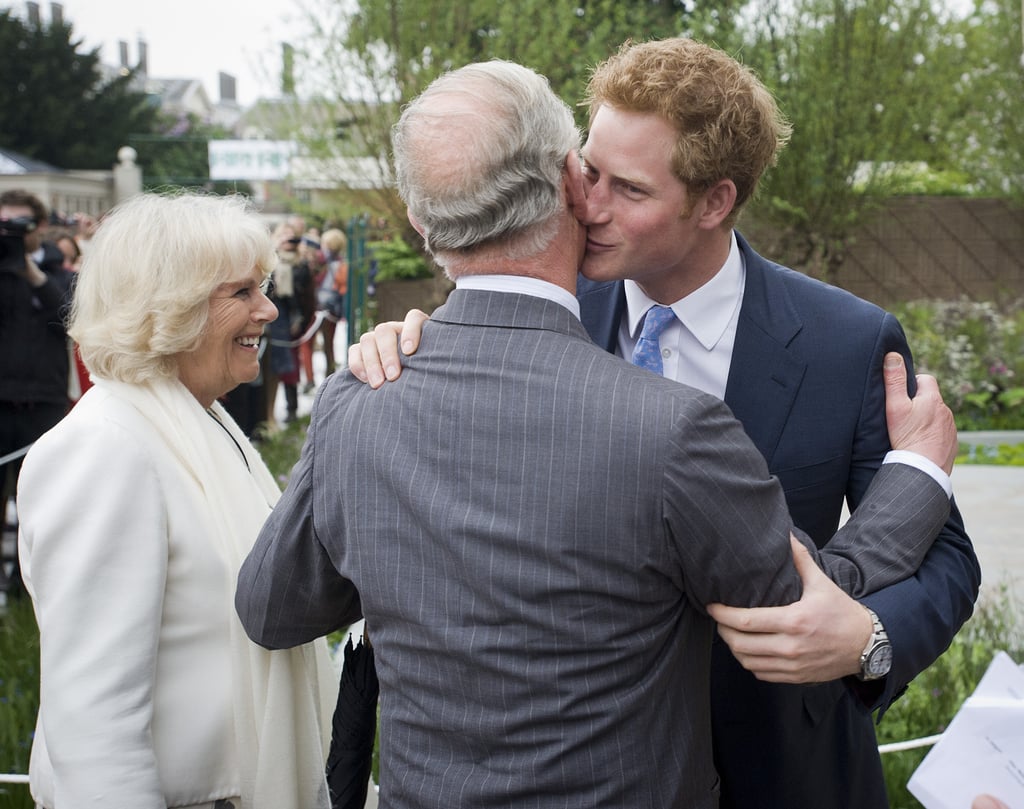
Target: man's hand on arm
x,y
816,639
822,636
923,424
376,359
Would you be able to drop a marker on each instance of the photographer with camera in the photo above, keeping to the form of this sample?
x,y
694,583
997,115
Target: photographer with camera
x,y
35,291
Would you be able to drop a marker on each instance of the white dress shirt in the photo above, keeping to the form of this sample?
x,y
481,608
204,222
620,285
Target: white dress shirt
x,y
522,285
697,348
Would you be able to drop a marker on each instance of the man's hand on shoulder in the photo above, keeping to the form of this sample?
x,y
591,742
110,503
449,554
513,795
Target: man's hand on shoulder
x,y
813,640
923,424
375,359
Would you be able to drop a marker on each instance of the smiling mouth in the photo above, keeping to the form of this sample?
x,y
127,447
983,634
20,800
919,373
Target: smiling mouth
x,y
250,341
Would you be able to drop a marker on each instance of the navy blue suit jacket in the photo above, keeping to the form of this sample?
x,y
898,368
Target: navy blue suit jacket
x,y
806,383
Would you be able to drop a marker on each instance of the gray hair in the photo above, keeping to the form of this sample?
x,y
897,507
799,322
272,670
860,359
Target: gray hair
x,y
479,158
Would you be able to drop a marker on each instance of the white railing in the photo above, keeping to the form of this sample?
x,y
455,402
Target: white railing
x,y
894,747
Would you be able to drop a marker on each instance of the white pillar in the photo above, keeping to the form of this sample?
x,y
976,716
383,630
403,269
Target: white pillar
x,y
127,175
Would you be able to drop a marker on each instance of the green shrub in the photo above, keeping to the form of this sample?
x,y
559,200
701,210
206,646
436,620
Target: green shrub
x,y
976,351
19,696
397,261
1003,455
934,697
282,448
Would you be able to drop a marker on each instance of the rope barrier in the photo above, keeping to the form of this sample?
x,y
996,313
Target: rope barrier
x,y
894,747
15,455
309,334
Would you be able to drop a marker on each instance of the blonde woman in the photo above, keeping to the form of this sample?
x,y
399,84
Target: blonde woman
x,y
136,512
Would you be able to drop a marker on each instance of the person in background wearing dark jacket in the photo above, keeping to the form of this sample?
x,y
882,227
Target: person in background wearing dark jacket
x,y
35,290
280,361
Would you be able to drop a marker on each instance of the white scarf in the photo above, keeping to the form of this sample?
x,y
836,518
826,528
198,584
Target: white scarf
x,y
283,700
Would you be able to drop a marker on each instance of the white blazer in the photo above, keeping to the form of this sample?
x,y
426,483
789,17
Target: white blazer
x,y
136,700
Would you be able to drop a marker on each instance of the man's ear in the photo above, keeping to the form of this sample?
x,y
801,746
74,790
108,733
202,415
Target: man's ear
x,y
575,189
719,201
414,222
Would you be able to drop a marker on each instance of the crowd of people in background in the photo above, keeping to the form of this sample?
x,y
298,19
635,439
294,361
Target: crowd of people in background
x,y
308,263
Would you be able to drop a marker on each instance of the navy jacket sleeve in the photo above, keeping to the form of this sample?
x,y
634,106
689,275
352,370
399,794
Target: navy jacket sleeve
x,y
923,613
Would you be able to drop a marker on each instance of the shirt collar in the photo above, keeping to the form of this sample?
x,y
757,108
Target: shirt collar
x,y
522,285
706,312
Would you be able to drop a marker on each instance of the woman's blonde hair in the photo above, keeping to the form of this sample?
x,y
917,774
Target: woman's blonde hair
x,y
143,293
334,240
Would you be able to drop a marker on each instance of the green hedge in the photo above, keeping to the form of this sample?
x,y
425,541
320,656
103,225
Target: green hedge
x,y
934,697
976,351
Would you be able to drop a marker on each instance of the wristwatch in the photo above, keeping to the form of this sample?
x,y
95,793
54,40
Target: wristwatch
x,y
876,659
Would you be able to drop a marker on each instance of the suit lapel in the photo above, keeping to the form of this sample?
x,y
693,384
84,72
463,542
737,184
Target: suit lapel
x,y
601,308
764,375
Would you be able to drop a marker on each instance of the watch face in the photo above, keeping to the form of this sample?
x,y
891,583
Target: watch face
x,y
879,660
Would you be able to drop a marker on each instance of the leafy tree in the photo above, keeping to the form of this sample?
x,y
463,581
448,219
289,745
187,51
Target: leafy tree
x,y
872,87
984,123
178,154
416,40
863,82
886,98
56,106
371,56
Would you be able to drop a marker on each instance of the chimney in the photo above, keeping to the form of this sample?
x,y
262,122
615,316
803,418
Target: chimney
x,y
33,14
56,15
227,88
122,48
143,58
287,69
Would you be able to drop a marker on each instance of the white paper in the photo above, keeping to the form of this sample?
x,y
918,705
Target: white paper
x,y
982,750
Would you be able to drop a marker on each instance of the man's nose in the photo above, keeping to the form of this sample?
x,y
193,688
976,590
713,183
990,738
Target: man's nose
x,y
596,211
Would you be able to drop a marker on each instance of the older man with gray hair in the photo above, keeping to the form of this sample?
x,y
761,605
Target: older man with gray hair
x,y
535,589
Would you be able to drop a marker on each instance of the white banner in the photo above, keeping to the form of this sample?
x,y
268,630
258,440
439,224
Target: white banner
x,y
250,159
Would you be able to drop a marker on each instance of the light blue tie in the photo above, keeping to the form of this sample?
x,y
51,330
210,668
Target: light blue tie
x,y
647,352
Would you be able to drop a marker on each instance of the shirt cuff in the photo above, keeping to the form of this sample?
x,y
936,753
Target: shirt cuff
x,y
917,461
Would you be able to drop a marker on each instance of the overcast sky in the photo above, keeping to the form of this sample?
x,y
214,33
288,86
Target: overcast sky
x,y
188,38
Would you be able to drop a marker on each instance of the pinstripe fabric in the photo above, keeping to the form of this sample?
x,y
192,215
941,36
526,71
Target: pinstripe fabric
x,y
532,527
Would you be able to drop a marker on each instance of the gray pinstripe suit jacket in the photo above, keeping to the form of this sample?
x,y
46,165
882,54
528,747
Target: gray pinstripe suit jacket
x,y
535,587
